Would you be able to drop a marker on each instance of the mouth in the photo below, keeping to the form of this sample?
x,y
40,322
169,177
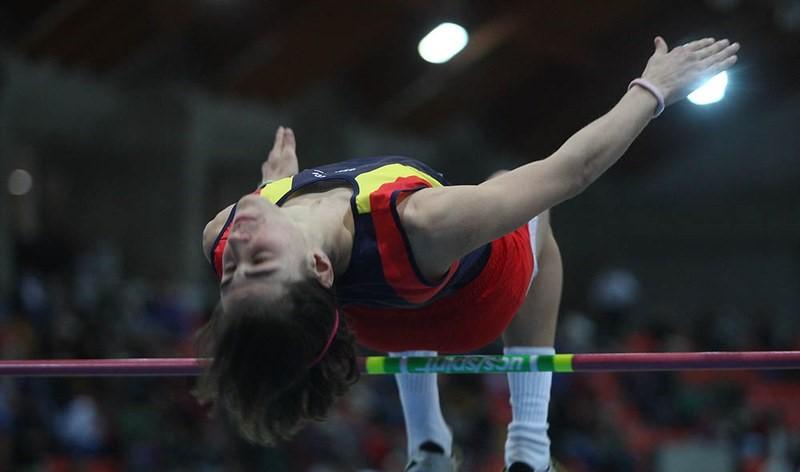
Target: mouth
x,y
244,222
243,219
245,213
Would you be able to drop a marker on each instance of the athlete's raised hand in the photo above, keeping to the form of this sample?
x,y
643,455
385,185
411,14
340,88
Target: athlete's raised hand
x,y
282,159
675,73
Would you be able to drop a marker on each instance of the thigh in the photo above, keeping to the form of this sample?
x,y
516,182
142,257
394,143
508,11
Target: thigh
x,y
541,233
535,322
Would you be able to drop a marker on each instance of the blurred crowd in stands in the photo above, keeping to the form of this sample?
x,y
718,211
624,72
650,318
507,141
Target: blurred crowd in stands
x,y
69,305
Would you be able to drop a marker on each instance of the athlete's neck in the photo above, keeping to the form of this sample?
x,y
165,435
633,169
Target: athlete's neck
x,y
324,223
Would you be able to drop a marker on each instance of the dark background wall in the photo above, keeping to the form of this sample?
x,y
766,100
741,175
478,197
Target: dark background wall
x,y
140,143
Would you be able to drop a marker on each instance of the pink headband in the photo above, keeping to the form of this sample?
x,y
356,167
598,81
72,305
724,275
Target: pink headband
x,y
328,343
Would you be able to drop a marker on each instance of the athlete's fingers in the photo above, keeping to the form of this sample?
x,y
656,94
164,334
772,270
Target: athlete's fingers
x,y
721,55
725,64
698,44
278,144
712,49
289,139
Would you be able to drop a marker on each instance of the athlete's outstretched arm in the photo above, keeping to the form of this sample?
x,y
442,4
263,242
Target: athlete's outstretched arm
x,y
447,222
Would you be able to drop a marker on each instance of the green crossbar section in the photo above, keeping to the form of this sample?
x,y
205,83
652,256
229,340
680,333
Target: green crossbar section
x,y
377,365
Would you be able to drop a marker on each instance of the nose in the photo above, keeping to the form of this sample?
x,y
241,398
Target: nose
x,y
243,229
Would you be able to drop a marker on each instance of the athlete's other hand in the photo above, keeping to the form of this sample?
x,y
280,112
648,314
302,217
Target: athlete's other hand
x,y
282,159
675,73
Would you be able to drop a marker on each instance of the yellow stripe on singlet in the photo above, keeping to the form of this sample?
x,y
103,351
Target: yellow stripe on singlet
x,y
370,181
274,191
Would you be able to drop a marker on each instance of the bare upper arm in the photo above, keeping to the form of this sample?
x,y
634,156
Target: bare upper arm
x,y
212,229
440,223
445,223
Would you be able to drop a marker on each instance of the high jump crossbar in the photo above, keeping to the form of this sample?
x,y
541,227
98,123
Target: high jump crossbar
x,y
455,364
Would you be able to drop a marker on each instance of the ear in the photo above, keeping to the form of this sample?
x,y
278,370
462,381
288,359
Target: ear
x,y
322,268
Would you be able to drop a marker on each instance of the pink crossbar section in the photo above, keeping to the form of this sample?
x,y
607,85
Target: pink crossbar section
x,y
152,367
627,362
621,362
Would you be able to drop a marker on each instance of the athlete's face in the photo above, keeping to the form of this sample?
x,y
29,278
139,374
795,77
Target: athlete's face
x,y
265,251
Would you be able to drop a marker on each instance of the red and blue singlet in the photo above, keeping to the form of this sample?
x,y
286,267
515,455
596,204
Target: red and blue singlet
x,y
387,301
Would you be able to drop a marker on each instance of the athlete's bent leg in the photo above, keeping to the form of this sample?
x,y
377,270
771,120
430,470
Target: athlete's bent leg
x,y
532,331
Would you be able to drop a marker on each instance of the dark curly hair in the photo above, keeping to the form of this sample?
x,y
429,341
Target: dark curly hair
x,y
261,355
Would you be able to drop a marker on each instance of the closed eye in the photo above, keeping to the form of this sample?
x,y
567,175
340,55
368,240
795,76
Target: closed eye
x,y
258,259
253,274
260,273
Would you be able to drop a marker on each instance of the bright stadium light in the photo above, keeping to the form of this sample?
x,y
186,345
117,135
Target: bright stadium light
x,y
442,43
711,91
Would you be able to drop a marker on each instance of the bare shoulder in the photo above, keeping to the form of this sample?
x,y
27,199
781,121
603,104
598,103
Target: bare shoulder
x,y
414,220
412,217
445,223
213,227
435,246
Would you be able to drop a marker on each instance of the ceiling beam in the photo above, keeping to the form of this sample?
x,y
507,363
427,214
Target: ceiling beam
x,y
521,41
315,42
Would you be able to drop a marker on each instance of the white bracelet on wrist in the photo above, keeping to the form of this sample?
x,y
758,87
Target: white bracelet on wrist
x,y
647,85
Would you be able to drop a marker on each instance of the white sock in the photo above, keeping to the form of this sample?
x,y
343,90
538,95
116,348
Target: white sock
x,y
419,394
527,439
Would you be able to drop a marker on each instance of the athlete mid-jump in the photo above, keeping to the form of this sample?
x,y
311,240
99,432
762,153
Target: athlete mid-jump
x,y
383,252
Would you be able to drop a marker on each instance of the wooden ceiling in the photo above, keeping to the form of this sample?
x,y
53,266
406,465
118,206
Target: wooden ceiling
x,y
534,71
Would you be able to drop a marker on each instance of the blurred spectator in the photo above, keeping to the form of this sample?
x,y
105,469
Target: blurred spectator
x,y
79,427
